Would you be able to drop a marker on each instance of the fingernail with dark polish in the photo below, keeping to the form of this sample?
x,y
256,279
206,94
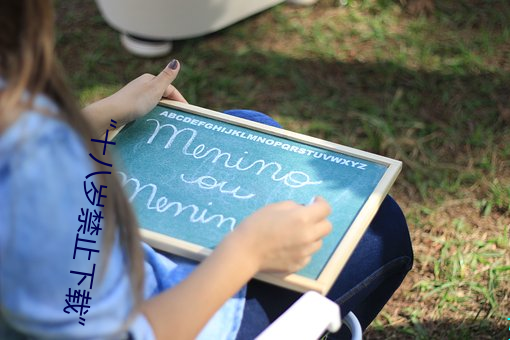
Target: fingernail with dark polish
x,y
173,64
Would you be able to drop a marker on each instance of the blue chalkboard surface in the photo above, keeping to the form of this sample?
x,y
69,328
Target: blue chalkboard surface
x,y
193,175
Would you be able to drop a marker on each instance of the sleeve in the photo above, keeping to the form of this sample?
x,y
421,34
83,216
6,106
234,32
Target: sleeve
x,y
43,181
141,329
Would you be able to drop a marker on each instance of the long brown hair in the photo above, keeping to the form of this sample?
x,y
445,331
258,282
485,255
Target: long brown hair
x,y
28,64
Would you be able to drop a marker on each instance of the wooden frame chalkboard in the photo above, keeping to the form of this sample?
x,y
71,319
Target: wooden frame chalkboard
x,y
326,158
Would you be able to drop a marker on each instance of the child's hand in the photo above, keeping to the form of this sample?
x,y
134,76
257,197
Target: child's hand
x,y
140,95
134,100
282,237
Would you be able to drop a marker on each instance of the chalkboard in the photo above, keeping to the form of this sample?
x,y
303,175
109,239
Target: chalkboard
x,y
193,174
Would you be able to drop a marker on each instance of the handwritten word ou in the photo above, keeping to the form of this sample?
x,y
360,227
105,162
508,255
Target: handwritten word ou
x,y
163,204
209,182
293,179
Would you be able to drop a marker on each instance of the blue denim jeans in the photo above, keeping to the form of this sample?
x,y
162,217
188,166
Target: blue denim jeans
x,y
373,273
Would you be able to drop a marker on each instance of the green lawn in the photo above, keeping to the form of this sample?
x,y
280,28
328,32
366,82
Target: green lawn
x,y
431,91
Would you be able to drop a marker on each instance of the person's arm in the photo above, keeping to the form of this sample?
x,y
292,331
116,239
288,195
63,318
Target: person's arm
x,y
134,100
279,238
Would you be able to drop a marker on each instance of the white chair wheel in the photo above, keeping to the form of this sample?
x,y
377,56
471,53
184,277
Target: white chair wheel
x,y
145,48
302,2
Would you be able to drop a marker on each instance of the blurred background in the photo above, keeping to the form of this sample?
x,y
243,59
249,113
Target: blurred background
x,y
427,83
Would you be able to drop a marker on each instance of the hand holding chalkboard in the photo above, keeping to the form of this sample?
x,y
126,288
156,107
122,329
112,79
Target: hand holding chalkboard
x,y
135,99
283,236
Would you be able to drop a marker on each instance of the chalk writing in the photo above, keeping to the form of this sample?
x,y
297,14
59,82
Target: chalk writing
x,y
163,204
264,140
293,179
209,182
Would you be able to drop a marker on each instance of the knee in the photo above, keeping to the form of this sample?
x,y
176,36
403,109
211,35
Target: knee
x,y
391,228
391,212
254,116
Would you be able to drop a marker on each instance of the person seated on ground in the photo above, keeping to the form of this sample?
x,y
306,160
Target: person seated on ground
x,y
45,141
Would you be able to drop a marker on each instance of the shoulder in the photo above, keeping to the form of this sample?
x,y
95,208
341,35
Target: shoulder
x,y
36,130
38,152
42,166
41,145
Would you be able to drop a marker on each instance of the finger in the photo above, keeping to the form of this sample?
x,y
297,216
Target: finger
x,y
316,232
312,248
322,229
318,210
167,76
297,264
302,263
284,205
172,93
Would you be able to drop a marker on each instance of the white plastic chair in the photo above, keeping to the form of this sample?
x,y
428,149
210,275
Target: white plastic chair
x,y
308,318
147,28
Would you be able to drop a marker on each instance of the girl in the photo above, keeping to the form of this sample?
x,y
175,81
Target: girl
x,y
53,284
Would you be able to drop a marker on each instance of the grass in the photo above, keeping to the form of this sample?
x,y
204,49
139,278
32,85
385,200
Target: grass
x,y
432,91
